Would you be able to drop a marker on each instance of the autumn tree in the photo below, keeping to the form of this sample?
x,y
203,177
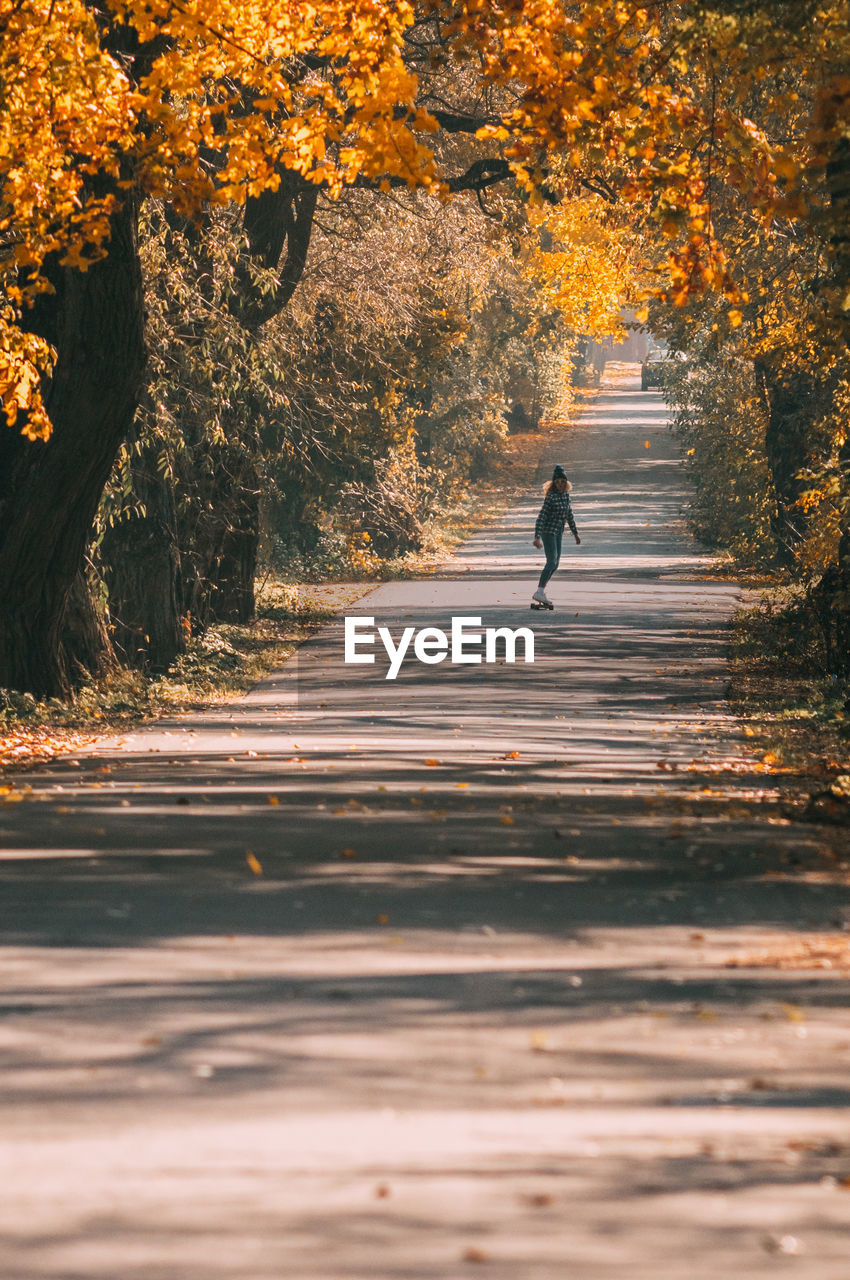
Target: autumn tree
x,y
763,402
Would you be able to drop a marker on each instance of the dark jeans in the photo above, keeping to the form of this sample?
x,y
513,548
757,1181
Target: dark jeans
x,y
552,547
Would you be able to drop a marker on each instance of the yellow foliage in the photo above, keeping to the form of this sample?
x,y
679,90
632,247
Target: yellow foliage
x,y
143,93
24,359
588,269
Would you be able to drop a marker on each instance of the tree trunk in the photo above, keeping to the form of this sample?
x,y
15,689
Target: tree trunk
x,y
141,565
795,403
218,537
86,642
232,594
276,223
49,492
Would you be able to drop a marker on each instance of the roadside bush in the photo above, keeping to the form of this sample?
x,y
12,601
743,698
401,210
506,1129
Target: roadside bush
x,y
720,420
385,517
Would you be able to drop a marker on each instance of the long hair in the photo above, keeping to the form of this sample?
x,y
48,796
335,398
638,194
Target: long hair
x,y
550,488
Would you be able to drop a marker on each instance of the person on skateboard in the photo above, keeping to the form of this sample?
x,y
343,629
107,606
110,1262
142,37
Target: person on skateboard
x,y
548,531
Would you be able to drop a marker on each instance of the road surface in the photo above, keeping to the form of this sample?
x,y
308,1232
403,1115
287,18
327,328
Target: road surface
x,y
467,973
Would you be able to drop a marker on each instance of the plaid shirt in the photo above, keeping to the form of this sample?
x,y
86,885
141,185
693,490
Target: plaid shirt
x,y
554,514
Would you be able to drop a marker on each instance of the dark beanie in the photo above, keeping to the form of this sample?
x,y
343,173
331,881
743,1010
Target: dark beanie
x,y
559,473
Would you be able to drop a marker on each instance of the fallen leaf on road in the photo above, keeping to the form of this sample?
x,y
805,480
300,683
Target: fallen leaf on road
x,y
253,862
506,820
23,745
349,853
474,1255
828,951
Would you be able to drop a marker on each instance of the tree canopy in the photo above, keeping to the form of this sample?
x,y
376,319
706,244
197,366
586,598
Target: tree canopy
x,y
208,101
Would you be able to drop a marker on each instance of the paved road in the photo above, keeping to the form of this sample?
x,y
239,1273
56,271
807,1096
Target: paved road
x,y
455,974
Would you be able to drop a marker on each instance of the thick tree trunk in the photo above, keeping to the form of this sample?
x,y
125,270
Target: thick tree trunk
x,y
141,565
49,493
86,643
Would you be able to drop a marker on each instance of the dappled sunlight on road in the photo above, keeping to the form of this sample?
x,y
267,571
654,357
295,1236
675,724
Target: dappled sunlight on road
x,y
364,977
614,748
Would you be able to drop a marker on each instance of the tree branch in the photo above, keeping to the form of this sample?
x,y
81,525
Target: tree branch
x,y
276,221
478,177
599,187
460,121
